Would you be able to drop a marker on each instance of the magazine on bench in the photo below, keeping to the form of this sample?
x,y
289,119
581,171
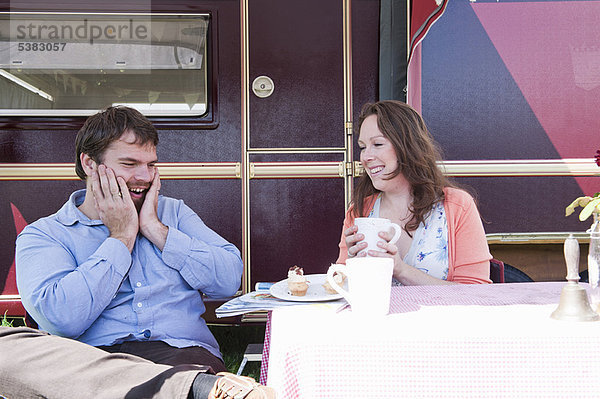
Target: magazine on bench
x,y
261,299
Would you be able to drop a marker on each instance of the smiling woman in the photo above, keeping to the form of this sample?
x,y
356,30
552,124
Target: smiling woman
x,y
445,240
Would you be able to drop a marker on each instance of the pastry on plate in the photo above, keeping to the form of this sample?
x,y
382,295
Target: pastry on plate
x,y
339,278
297,283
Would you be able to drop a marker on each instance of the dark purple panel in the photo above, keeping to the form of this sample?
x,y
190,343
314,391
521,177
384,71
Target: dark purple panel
x,y
298,44
216,201
526,204
365,58
365,53
30,146
294,222
220,145
297,157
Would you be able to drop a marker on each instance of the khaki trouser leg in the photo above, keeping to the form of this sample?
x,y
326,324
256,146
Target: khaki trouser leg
x,y
36,364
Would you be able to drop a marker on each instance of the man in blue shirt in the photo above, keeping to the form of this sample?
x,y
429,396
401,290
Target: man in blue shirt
x,y
119,266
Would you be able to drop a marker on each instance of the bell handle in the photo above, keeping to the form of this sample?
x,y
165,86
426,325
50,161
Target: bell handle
x,y
571,249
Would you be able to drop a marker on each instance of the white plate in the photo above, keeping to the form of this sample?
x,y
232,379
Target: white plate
x,y
315,291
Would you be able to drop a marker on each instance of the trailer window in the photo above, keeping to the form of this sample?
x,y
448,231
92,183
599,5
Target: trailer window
x,y
67,64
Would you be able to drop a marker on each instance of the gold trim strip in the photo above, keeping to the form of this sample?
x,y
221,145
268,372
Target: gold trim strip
x,y
304,150
168,170
348,99
523,167
10,297
295,170
38,171
207,170
245,138
515,167
536,238
358,169
147,14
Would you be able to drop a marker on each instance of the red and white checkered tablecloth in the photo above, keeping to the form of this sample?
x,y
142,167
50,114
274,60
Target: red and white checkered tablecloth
x,y
483,341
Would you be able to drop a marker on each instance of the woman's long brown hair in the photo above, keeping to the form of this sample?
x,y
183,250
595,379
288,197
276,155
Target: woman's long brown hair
x,y
417,154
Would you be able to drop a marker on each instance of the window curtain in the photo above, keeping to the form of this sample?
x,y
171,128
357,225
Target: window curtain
x,y
16,97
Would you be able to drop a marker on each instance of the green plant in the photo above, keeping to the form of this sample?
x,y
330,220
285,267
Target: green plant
x,y
589,204
4,322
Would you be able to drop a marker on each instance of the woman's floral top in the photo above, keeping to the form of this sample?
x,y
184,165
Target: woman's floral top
x,y
429,249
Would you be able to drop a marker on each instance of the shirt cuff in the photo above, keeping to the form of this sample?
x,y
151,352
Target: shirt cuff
x,y
116,253
176,249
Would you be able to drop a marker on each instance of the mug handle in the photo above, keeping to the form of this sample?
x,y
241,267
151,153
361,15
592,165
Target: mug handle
x,y
398,233
340,268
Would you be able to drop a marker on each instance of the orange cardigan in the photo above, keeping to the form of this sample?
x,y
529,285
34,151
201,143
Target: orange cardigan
x,y
468,252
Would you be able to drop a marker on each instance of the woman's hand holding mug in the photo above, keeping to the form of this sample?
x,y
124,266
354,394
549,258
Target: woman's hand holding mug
x,y
364,235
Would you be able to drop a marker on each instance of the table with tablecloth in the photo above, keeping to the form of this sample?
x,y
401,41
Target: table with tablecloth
x,y
456,341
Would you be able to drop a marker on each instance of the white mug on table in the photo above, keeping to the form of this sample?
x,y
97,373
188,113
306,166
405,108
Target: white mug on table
x,y
369,284
371,227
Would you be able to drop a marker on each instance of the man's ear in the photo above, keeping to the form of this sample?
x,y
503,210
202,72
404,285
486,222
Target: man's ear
x,y
87,163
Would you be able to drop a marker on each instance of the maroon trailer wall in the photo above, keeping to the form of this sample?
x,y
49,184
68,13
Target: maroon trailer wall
x,y
300,46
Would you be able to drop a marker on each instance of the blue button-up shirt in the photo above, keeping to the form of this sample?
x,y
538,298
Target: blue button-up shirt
x,y
77,282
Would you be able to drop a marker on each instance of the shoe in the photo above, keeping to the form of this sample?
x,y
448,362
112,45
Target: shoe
x,y
239,387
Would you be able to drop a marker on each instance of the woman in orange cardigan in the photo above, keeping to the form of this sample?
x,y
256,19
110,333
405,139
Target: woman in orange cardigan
x,y
443,240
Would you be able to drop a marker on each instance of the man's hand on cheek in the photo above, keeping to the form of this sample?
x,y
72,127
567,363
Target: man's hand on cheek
x,y
150,225
114,205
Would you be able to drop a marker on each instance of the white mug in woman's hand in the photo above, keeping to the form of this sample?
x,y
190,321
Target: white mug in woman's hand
x,y
369,284
371,227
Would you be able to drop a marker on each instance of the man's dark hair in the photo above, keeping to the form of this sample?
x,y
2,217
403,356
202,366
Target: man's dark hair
x,y
101,129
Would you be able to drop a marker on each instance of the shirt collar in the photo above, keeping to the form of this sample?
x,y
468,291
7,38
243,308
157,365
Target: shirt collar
x,y
69,214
